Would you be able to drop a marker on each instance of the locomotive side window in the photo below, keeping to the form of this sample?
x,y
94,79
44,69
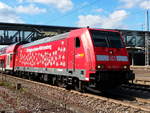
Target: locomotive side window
x,y
77,42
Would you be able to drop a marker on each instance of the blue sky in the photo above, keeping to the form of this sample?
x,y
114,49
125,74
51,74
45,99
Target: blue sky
x,y
111,14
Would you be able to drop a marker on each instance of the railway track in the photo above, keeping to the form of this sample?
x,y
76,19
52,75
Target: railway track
x,y
141,82
83,102
131,97
137,87
137,84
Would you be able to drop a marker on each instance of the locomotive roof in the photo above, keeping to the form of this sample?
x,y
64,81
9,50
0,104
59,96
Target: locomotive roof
x,y
58,37
8,49
47,39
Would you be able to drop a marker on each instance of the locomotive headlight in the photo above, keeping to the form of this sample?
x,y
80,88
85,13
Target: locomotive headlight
x,y
125,67
101,66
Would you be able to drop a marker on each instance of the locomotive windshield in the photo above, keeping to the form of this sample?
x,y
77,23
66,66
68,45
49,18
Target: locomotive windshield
x,y
106,39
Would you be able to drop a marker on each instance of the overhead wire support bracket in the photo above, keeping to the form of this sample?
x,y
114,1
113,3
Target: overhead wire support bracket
x,y
147,40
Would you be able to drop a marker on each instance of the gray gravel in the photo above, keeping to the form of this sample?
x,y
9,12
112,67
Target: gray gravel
x,y
72,100
12,101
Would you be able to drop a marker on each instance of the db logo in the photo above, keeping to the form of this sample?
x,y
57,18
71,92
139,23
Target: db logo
x,y
112,58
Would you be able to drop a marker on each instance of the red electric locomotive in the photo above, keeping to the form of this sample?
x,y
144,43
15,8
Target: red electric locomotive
x,y
81,58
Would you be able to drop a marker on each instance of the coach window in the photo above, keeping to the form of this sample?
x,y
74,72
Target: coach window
x,y
8,60
10,57
1,63
77,41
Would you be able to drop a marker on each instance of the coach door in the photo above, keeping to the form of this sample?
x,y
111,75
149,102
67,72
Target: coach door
x,y
1,65
8,60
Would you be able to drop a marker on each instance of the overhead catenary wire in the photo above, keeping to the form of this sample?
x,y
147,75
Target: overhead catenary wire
x,y
147,40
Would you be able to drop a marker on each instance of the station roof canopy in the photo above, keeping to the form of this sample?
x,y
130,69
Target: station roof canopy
x,y
18,26
15,32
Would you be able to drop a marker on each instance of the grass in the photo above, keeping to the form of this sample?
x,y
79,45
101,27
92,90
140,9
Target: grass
x,y
12,86
7,84
23,90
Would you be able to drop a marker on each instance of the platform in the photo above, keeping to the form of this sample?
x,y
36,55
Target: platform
x,y
141,72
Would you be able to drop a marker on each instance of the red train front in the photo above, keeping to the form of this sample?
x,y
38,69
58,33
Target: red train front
x,y
112,63
80,58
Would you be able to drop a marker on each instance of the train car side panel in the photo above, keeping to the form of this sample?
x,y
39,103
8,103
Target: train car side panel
x,y
46,56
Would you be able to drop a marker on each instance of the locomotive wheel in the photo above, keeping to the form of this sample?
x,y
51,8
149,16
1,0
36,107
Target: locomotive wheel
x,y
79,86
54,81
61,83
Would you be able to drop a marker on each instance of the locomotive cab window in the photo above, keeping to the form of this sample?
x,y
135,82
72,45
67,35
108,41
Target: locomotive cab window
x,y
106,39
115,40
77,42
99,38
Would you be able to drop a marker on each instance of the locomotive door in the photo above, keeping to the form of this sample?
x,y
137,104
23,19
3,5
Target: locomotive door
x,y
71,55
79,60
75,55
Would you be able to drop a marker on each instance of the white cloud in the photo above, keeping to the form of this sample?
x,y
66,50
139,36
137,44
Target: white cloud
x,y
20,1
99,10
114,20
7,14
145,5
129,3
89,20
4,6
31,9
63,5
10,18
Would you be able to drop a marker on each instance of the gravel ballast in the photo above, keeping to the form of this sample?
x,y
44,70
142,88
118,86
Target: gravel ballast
x,y
72,100
14,101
